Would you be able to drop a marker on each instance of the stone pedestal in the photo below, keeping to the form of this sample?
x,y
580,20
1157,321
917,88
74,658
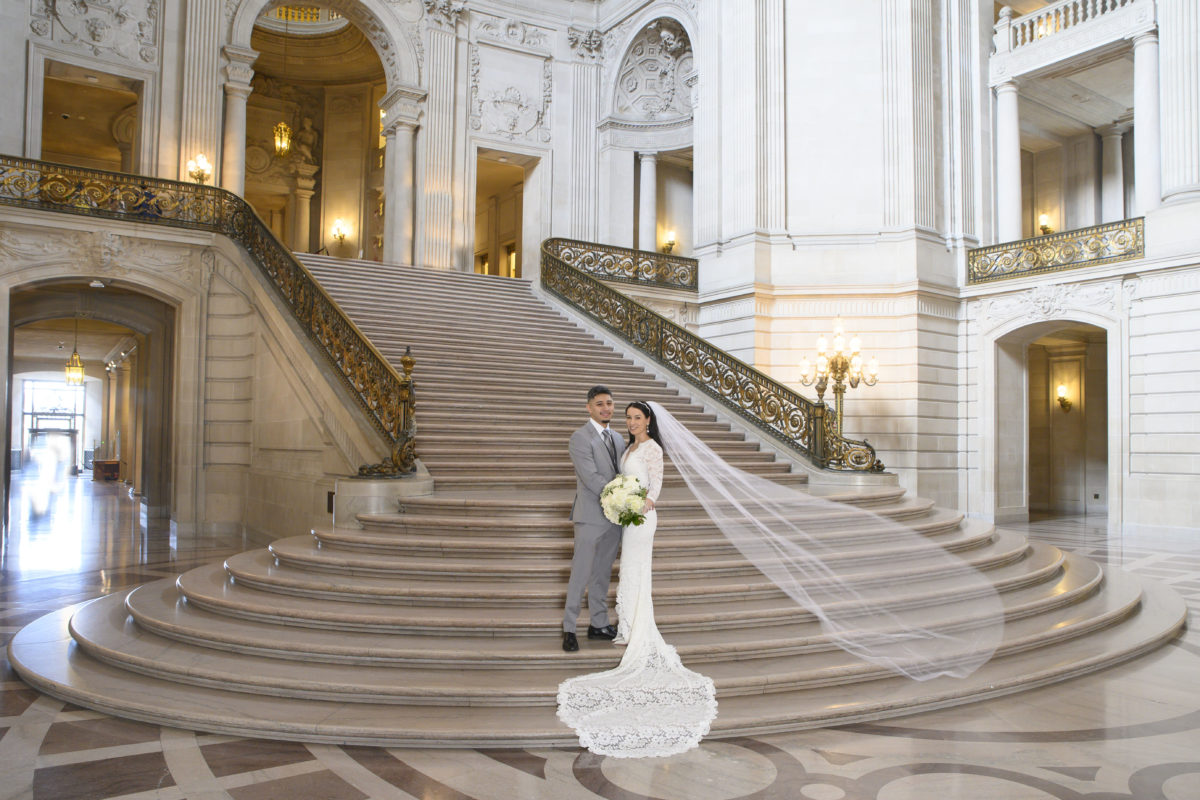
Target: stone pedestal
x,y
354,496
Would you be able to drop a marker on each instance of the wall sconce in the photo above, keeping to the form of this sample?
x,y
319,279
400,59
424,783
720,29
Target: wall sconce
x,y
340,230
669,242
199,168
1044,224
1063,402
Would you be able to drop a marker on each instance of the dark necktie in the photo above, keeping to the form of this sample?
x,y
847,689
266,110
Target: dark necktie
x,y
612,447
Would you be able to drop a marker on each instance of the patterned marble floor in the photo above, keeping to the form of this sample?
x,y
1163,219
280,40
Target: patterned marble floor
x,y
1132,731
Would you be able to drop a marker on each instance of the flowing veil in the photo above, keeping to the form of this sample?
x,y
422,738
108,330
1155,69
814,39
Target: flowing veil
x,y
884,592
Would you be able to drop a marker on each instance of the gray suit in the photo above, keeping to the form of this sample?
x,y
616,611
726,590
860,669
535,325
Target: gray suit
x,y
596,539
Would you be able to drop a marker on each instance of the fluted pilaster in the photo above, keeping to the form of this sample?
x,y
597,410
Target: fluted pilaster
x,y
771,112
584,114
435,245
200,128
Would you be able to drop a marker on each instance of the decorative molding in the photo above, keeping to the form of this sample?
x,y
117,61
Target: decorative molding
x,y
1052,301
515,111
101,253
129,29
587,45
511,32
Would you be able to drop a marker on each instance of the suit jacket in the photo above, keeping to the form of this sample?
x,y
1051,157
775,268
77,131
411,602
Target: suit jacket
x,y
593,470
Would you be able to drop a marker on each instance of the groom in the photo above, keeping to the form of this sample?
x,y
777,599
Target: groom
x,y
595,452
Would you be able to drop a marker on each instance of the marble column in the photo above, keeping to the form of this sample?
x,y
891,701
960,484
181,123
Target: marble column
x,y
1147,166
301,207
398,193
648,203
1112,173
1179,82
1008,163
238,73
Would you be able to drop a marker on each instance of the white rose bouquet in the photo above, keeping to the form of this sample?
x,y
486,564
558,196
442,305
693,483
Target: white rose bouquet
x,y
624,500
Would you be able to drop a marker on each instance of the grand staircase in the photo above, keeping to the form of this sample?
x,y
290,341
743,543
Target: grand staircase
x,y
437,624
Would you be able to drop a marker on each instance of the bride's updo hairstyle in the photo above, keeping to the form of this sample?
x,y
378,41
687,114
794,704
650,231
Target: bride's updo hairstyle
x,y
653,427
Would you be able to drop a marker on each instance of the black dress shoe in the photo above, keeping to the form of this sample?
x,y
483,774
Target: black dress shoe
x,y
607,632
570,643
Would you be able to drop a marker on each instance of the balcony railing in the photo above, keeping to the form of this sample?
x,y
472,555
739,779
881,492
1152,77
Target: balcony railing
x,y
383,393
1058,17
628,266
803,425
1085,247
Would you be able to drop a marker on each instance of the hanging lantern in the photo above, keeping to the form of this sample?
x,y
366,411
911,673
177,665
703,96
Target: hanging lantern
x,y
75,363
283,139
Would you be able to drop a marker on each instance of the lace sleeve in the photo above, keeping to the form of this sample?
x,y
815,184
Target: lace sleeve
x,y
654,467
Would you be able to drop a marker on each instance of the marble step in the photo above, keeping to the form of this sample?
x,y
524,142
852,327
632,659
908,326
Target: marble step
x,y
258,569
563,480
443,464
538,536
499,558
42,653
100,630
517,643
556,505
210,588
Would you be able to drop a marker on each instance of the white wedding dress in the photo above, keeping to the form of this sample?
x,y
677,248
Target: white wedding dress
x,y
650,705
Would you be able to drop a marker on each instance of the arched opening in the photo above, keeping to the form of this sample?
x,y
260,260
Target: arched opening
x,y
117,425
314,143
1052,421
647,149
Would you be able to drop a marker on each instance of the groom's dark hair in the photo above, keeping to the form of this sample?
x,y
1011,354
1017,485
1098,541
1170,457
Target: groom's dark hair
x,y
595,390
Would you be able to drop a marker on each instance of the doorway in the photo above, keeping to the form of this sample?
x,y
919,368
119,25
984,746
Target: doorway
x,y
90,118
499,213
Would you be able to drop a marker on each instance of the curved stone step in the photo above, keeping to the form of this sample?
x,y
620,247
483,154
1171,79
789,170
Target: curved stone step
x,y
42,654
160,609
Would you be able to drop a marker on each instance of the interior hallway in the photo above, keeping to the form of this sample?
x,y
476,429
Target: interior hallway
x,y
1132,731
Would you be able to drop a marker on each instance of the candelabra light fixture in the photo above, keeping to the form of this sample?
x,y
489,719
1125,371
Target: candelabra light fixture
x,y
339,230
842,364
1044,224
1063,402
199,168
74,369
669,242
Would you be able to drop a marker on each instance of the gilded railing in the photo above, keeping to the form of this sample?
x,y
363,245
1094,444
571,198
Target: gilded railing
x,y
643,267
1085,247
383,393
771,406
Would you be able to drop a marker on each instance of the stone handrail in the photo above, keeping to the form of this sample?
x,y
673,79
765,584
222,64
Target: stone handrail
x,y
384,394
1084,247
642,267
798,422
1053,18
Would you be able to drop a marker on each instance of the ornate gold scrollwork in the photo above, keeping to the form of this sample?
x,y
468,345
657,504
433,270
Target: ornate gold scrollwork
x,y
382,393
1085,247
770,405
627,266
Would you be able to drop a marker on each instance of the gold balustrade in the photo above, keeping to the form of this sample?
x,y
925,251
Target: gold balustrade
x,y
621,264
1085,247
806,426
384,394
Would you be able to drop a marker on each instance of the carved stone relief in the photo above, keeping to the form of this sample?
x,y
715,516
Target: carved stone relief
x,y
102,253
510,94
510,31
653,80
127,29
587,45
1052,302
444,12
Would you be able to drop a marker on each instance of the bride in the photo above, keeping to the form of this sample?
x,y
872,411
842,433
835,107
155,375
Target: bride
x,y
894,597
650,705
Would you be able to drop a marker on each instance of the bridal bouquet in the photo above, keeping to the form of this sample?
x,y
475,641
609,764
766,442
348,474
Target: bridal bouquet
x,y
623,500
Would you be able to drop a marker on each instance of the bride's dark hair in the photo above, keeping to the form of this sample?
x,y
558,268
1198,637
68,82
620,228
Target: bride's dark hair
x,y
653,427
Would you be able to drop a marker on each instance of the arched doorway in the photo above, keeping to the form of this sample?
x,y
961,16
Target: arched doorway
x,y
1052,421
126,343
